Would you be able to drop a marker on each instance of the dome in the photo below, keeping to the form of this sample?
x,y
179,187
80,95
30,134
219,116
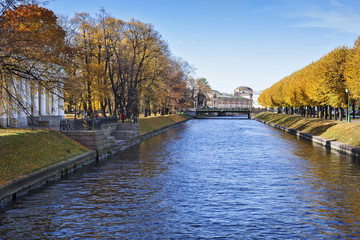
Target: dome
x,y
243,91
243,88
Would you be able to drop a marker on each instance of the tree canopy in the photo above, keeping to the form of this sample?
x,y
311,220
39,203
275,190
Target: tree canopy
x,y
321,83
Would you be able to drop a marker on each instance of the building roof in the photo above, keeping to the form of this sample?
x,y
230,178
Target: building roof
x,y
232,97
243,88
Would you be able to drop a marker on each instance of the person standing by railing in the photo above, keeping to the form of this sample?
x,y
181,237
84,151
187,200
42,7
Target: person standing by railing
x,y
122,117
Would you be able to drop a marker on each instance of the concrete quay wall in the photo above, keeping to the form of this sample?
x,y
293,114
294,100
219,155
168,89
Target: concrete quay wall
x,y
328,144
21,187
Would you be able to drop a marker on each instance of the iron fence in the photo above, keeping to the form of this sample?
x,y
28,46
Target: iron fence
x,y
222,109
86,124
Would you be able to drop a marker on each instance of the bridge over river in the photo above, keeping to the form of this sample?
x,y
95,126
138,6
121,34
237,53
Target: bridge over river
x,y
213,112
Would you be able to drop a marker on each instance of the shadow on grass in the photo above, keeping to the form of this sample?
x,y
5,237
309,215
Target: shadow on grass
x,y
318,130
303,124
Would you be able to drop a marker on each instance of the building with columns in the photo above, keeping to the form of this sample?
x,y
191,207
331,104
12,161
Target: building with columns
x,y
221,100
26,102
245,92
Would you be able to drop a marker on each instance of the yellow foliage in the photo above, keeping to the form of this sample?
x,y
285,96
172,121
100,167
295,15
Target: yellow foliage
x,y
320,83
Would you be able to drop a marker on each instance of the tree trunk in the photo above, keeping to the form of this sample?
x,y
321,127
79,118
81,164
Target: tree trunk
x,y
109,106
328,112
353,110
321,112
89,109
147,111
103,105
85,106
312,112
341,113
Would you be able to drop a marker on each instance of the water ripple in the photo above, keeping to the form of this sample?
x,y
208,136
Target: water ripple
x,y
203,180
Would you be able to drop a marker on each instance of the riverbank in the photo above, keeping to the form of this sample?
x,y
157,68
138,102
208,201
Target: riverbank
x,y
152,123
25,151
336,135
30,158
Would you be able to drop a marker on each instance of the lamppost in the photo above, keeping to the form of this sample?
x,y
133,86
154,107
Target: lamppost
x,y
348,105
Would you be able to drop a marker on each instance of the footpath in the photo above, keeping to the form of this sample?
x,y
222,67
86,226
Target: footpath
x,y
337,136
26,183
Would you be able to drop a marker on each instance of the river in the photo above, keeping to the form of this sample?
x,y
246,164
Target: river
x,y
206,179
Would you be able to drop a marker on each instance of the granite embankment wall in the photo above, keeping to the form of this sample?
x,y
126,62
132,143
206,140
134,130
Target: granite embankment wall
x,y
106,140
328,144
23,186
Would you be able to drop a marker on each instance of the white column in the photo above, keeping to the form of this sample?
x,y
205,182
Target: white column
x,y
55,104
3,116
61,104
49,103
61,108
13,112
35,100
28,96
42,101
22,97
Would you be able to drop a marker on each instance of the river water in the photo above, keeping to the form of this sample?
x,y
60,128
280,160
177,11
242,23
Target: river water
x,y
206,179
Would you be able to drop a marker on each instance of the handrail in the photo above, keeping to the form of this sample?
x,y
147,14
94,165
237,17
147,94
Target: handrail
x,y
223,110
86,124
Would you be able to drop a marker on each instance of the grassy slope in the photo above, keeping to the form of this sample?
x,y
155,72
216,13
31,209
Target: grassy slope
x,y
25,151
153,123
334,130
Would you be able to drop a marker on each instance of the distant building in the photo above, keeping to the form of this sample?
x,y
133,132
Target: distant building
x,y
242,98
245,92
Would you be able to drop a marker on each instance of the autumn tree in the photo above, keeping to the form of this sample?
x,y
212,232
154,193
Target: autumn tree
x,y
320,84
352,70
7,5
174,95
202,88
125,66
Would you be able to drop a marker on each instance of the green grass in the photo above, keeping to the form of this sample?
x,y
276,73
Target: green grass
x,y
346,133
152,123
25,151
334,130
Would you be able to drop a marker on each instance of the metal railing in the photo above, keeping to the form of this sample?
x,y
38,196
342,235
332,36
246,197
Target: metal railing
x,y
223,110
86,124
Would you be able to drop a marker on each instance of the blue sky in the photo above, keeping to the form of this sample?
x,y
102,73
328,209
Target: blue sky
x,y
234,43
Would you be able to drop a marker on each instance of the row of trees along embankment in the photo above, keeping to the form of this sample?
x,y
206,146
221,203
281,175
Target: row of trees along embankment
x,y
106,64
319,89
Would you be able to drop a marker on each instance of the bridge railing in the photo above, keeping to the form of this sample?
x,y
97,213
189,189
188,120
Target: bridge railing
x,y
86,124
223,110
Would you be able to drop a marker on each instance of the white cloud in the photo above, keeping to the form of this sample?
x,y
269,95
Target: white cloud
x,y
336,3
340,17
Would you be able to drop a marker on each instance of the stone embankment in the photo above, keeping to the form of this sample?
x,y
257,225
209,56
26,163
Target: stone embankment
x,y
110,139
330,144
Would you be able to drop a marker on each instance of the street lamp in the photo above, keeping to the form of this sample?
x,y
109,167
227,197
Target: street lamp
x,y
348,105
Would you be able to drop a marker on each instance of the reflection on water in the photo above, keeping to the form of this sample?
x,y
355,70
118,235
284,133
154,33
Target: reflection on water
x,y
205,179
